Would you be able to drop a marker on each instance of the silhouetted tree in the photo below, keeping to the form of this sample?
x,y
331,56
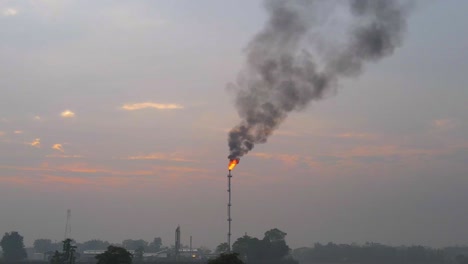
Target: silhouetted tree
x,y
57,258
368,253
138,257
68,254
204,250
250,248
93,244
222,248
115,255
275,235
44,245
13,247
461,259
131,244
69,251
226,258
272,247
275,244
156,245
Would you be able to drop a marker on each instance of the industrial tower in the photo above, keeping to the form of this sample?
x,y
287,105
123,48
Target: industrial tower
x,y
68,225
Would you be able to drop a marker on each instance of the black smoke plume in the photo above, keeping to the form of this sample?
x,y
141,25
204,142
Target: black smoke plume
x,y
281,75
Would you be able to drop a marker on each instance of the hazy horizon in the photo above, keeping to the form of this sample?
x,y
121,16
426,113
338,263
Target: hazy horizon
x,y
119,111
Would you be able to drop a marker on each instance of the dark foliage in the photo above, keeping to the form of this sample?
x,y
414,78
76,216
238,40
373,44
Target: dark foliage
x,y
368,253
115,255
272,247
13,247
227,258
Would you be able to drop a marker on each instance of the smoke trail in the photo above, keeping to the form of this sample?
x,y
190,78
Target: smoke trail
x,y
281,76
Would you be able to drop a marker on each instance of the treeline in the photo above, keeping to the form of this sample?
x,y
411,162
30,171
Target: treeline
x,y
47,245
271,249
377,253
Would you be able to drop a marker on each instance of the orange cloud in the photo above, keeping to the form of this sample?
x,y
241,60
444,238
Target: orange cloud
x,y
356,136
18,132
58,147
139,106
36,143
65,156
67,114
66,180
15,180
161,156
2,133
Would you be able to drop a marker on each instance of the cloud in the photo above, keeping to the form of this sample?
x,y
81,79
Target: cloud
x,y
36,143
444,124
18,132
287,159
58,147
2,133
67,180
356,136
10,12
67,114
139,106
65,156
160,156
37,118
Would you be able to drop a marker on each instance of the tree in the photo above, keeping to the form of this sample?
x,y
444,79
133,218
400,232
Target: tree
x,y
226,258
204,251
156,245
68,255
56,258
13,247
131,244
69,251
115,255
272,247
222,248
249,247
274,234
43,245
94,244
275,243
139,255
461,259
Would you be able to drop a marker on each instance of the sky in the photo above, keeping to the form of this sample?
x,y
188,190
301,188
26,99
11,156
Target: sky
x,y
118,111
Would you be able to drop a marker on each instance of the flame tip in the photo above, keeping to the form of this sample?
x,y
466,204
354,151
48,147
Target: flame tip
x,y
233,163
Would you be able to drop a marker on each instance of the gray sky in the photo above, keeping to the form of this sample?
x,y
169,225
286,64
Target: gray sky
x,y
118,111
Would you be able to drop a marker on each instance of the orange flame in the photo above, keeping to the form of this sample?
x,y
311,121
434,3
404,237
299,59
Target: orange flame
x,y
233,163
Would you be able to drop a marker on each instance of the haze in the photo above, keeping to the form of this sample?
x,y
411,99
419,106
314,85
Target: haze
x,y
118,110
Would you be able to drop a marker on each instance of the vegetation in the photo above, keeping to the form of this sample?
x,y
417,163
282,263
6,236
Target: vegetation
x,y
45,245
272,247
93,244
68,254
138,257
227,258
368,253
13,247
222,248
115,255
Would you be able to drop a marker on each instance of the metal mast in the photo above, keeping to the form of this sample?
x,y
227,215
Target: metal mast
x,y
68,225
229,212
177,243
